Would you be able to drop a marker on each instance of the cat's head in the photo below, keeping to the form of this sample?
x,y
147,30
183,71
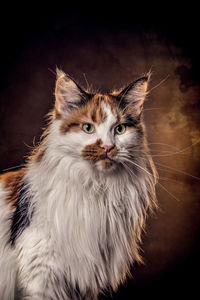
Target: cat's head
x,y
100,129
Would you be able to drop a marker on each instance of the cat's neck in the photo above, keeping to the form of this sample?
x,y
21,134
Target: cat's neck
x,y
70,173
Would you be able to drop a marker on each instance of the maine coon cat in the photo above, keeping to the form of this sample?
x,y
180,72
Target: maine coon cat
x,y
71,219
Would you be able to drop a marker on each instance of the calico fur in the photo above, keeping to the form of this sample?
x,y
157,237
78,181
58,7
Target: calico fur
x,y
71,220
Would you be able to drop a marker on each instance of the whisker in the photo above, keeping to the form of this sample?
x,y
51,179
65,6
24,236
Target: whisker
x,y
178,152
168,192
161,82
12,168
160,177
88,86
155,150
163,144
52,71
134,163
163,169
151,150
168,153
153,177
156,178
131,172
154,108
176,170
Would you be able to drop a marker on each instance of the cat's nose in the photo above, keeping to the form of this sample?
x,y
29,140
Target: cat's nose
x,y
107,148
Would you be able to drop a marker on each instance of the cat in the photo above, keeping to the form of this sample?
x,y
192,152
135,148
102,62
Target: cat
x,y
71,218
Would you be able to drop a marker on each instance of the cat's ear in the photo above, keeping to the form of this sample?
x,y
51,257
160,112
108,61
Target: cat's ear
x,y
131,99
68,93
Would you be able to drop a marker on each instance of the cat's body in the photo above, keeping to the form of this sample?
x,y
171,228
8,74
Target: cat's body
x,y
71,220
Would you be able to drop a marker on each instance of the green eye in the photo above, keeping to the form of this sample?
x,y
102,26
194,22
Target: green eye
x,y
88,128
120,129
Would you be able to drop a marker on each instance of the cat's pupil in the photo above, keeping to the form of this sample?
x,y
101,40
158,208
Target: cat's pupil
x,y
120,128
88,127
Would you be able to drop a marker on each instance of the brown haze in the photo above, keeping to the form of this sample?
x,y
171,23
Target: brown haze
x,y
109,59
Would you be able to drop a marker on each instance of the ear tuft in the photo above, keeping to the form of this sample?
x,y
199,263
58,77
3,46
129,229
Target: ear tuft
x,y
60,73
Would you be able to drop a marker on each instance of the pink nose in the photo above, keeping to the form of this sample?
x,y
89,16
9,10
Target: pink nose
x,y
107,148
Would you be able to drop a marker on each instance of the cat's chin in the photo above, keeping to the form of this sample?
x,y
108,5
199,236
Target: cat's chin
x,y
105,165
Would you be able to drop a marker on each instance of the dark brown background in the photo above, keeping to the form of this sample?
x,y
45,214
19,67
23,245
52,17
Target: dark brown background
x,y
113,46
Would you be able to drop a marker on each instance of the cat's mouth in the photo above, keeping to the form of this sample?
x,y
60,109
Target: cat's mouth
x,y
98,157
103,162
106,157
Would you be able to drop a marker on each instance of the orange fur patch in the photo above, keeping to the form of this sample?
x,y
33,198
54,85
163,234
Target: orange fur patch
x,y
91,112
95,153
96,111
12,181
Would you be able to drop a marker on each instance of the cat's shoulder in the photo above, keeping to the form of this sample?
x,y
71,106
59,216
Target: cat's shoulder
x,y
9,178
10,183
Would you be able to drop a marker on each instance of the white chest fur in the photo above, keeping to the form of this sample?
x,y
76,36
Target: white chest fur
x,y
83,227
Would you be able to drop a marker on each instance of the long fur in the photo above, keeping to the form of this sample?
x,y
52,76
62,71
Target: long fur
x,y
84,226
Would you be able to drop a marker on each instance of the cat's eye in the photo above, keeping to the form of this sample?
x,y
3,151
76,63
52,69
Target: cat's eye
x,y
120,129
88,128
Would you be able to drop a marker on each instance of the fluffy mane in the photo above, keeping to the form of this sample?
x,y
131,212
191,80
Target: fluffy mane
x,y
81,202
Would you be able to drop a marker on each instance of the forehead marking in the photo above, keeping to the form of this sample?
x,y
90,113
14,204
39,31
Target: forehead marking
x,y
97,113
110,118
99,110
